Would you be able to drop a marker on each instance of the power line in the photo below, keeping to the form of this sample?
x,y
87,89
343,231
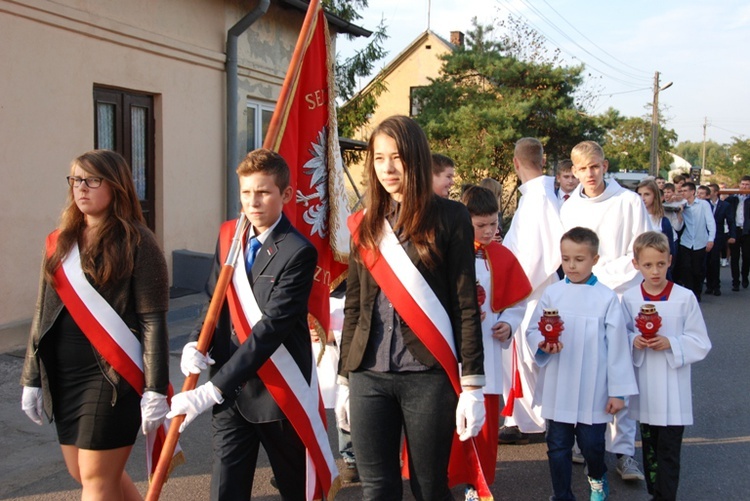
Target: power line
x,y
510,7
622,92
726,130
561,32
592,42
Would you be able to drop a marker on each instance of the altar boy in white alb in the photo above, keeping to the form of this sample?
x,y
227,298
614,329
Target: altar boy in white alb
x,y
664,405
584,376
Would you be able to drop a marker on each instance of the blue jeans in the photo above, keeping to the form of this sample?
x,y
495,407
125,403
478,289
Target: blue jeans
x,y
345,445
423,404
560,437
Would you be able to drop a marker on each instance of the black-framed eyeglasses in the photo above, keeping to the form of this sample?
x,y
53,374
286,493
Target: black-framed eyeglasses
x,y
91,182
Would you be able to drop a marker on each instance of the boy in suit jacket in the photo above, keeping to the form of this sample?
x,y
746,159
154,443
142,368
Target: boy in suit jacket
x,y
280,266
741,209
725,235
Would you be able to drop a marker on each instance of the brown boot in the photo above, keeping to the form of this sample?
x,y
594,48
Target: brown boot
x,y
350,474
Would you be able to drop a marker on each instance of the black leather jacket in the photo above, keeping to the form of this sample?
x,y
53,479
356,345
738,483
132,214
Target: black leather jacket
x,y
141,300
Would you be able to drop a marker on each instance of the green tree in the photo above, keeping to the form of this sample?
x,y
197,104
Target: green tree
x,y
609,120
628,145
690,151
718,158
739,153
486,99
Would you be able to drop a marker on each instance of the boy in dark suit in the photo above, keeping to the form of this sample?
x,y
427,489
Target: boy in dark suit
x,y
741,247
725,235
263,317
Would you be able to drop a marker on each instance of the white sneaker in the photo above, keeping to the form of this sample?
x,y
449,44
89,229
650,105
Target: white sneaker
x,y
724,262
628,469
470,494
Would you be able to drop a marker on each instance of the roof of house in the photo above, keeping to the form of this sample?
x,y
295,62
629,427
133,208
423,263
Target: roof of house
x,y
342,26
404,54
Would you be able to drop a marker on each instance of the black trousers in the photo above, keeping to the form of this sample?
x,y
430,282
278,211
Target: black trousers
x,y
741,246
692,267
661,459
423,405
235,447
713,265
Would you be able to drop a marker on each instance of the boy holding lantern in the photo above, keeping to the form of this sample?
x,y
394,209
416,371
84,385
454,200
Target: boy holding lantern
x,y
665,344
585,375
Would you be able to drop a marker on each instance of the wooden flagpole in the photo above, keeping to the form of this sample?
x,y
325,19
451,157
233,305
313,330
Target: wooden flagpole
x,y
204,340
273,136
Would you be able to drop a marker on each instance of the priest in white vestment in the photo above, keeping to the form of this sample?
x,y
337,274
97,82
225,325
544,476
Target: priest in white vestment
x,y
534,238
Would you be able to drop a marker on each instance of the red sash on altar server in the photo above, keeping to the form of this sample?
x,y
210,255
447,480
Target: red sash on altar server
x,y
508,284
300,402
417,304
109,334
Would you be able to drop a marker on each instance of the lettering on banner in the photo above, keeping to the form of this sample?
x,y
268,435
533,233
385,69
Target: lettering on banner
x,y
315,99
322,275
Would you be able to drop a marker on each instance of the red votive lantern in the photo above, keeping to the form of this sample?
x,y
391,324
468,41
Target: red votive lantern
x,y
550,325
648,321
481,294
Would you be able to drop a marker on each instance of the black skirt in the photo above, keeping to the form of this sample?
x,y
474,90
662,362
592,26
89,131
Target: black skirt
x,y
89,412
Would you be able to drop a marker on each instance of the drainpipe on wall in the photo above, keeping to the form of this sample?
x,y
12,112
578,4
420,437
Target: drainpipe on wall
x,y
233,190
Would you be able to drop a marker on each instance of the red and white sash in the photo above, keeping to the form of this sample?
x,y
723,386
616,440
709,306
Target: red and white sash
x,y
108,333
300,402
417,304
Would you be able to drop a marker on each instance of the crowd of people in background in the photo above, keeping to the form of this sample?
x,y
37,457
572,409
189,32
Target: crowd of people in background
x,y
437,332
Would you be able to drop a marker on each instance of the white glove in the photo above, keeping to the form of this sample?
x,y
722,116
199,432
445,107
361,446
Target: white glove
x,y
193,402
193,361
33,404
154,408
342,407
470,413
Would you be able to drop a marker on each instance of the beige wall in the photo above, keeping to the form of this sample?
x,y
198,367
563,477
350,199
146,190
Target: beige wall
x,y
55,52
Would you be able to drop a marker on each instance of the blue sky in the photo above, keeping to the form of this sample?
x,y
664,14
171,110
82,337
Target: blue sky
x,y
702,47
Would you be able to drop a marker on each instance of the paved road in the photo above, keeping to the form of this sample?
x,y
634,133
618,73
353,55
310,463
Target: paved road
x,y
715,453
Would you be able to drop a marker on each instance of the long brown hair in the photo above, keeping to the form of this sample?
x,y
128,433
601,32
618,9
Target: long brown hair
x,y
657,209
109,253
414,223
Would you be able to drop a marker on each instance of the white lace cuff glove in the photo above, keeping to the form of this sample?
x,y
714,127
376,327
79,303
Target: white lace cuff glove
x,y
470,413
194,402
154,409
32,404
193,361
342,407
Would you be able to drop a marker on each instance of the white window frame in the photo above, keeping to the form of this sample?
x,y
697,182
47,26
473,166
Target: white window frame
x,y
258,107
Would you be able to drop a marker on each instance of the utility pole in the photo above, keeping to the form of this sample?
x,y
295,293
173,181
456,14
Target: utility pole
x,y
654,156
703,154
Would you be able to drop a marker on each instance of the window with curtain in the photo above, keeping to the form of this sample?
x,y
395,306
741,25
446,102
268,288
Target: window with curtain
x,y
124,122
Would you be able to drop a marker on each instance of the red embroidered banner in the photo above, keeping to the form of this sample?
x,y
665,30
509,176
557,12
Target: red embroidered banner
x,y
304,131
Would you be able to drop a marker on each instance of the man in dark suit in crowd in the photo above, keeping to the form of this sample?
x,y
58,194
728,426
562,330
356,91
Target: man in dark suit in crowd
x,y
741,247
725,235
279,264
